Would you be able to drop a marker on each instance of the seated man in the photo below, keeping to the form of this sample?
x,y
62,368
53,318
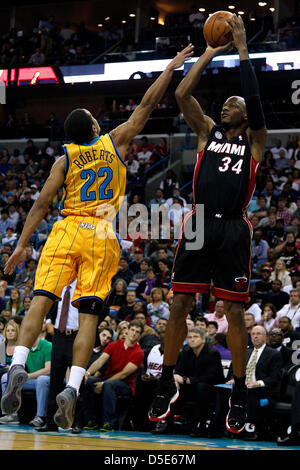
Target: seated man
x,y
198,369
124,357
263,375
290,336
38,365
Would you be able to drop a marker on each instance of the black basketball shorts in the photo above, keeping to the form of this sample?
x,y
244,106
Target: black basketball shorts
x,y
222,265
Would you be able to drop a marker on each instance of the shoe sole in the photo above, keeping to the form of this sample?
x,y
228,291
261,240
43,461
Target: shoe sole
x,y
11,400
64,416
160,418
233,430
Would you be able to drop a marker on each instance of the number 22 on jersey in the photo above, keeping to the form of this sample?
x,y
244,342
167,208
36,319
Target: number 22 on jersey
x,y
87,194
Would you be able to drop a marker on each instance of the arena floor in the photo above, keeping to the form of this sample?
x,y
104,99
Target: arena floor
x,y
24,437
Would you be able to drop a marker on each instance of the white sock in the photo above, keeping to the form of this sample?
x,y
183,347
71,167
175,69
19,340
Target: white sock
x,y
76,376
20,355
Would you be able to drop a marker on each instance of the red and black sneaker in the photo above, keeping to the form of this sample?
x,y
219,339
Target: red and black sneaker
x,y
166,395
236,417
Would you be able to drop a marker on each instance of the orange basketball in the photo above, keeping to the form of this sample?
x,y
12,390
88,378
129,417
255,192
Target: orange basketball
x,y
216,29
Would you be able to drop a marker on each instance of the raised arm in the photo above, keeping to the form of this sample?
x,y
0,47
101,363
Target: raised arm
x,y
124,133
257,130
190,107
38,211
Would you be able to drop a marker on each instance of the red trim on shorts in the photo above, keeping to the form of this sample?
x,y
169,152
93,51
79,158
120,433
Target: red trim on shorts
x,y
230,295
190,287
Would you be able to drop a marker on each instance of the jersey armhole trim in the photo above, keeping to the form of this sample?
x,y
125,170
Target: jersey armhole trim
x,y
117,152
67,160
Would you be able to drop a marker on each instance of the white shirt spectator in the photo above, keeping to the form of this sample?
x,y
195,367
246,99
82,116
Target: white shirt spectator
x,y
256,311
155,361
144,157
132,166
293,312
276,150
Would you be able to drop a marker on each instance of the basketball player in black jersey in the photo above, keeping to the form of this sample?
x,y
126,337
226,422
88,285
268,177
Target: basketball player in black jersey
x,y
224,180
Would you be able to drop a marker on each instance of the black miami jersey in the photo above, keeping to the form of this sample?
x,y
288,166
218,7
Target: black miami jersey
x,y
224,181
225,173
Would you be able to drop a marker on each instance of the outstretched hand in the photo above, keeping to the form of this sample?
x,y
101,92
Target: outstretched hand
x,y
13,260
237,27
179,60
214,51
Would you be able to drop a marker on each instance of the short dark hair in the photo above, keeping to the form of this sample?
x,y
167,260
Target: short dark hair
x,y
137,323
78,126
214,323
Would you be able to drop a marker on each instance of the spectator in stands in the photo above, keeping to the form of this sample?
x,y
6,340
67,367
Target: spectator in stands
x,y
7,347
277,297
141,317
249,323
5,222
157,308
292,309
158,199
263,286
198,368
132,166
13,214
276,149
26,303
160,150
141,275
259,247
169,183
283,212
220,344
134,265
212,329
263,373
122,330
276,342
280,272
27,273
37,59
15,304
268,317
163,273
123,271
219,316
290,335
124,357
10,238
126,310
143,291
131,105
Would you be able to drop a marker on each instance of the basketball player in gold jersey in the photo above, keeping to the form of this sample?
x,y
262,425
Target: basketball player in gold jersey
x,y
83,244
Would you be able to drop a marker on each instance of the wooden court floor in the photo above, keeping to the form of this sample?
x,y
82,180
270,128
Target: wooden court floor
x,y
24,437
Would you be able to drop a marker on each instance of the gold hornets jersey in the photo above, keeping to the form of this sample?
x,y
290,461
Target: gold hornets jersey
x,y
95,179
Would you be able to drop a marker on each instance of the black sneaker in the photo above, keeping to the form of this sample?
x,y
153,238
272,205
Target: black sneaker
x,y
66,402
11,399
166,395
236,417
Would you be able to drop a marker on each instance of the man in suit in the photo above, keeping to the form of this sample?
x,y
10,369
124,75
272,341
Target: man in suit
x,y
198,369
263,375
275,341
